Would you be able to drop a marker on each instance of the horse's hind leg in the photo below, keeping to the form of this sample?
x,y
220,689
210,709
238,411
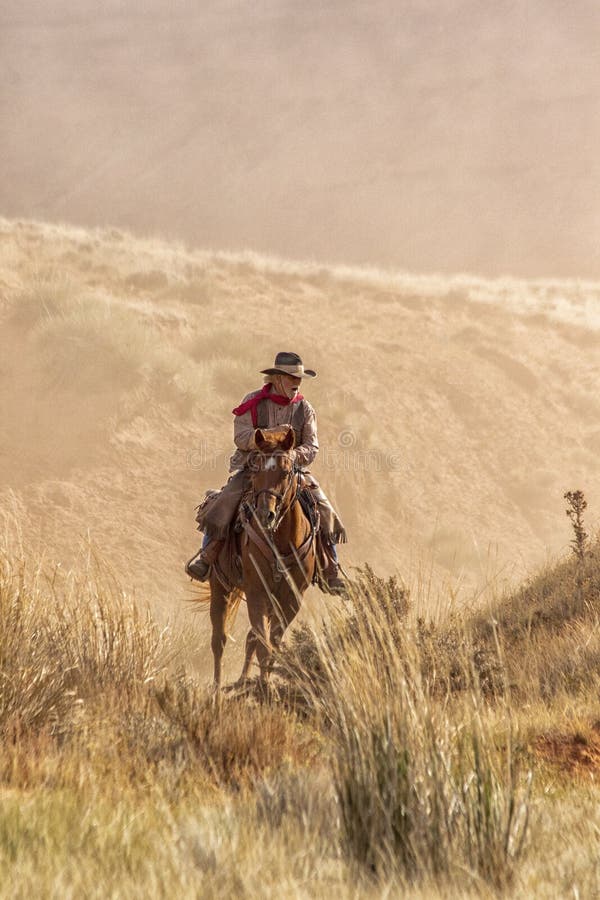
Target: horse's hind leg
x,y
218,614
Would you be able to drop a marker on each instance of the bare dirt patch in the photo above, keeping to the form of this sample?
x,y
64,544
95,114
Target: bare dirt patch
x,y
575,754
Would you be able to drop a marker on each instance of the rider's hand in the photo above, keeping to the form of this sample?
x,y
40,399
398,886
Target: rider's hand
x,y
276,429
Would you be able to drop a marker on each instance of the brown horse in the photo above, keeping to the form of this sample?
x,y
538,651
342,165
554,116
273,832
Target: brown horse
x,y
278,556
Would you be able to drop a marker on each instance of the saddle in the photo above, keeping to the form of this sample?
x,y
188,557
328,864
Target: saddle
x,y
228,566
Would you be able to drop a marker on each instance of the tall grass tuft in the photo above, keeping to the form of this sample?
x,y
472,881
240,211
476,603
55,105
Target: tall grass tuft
x,y
426,788
67,640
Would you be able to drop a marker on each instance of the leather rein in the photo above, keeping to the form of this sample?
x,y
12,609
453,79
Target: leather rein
x,y
279,561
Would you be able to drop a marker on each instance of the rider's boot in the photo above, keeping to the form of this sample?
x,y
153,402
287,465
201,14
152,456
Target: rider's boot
x,y
335,583
199,565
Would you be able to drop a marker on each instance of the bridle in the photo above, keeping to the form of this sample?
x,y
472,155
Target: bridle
x,y
262,538
280,509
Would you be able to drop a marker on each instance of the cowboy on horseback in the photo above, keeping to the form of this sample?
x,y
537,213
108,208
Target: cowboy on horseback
x,y
279,403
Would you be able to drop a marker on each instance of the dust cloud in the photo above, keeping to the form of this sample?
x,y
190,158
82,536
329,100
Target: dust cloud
x,y
439,137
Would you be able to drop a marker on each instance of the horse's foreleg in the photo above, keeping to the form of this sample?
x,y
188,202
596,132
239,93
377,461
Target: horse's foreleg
x,y
248,657
218,611
259,639
287,610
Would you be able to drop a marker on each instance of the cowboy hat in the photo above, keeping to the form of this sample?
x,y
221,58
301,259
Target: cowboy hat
x,y
289,364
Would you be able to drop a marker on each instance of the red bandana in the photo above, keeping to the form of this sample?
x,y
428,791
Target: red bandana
x,y
252,403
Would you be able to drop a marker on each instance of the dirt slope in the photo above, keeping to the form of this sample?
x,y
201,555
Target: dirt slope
x,y
453,412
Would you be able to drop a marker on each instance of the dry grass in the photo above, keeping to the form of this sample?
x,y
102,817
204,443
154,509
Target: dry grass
x,y
426,788
550,629
120,774
394,757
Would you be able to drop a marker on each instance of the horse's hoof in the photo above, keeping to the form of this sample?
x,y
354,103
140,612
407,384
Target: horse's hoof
x,y
265,690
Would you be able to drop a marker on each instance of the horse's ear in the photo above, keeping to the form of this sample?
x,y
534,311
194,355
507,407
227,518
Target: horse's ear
x,y
260,441
289,440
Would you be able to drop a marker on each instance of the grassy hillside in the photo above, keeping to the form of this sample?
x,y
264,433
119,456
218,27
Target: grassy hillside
x,y
453,412
376,766
447,750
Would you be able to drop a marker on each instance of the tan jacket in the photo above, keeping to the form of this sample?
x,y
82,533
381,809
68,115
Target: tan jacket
x,y
243,432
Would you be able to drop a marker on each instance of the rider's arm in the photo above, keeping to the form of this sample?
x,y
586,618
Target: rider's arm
x,y
308,447
243,432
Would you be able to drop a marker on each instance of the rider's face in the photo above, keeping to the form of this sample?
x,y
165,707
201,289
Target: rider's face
x,y
289,385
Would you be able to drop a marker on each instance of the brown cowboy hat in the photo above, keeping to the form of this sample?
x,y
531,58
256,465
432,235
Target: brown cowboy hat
x,y
289,364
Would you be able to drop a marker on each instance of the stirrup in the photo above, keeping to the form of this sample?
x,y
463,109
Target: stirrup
x,y
197,568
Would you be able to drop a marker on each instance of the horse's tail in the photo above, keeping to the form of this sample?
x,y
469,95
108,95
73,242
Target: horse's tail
x,y
237,595
201,594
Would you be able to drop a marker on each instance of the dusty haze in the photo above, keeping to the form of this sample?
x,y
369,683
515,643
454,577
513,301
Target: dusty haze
x,y
453,412
431,136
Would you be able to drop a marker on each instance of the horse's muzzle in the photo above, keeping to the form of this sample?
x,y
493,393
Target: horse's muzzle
x,y
266,518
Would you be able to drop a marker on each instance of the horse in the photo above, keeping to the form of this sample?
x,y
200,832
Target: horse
x,y
278,557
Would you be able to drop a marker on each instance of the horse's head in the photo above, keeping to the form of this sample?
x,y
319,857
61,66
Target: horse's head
x,y
272,469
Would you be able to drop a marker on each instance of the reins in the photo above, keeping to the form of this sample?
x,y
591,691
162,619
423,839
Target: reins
x,y
265,545
280,511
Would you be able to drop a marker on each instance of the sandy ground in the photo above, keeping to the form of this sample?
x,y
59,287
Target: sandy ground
x,y
453,413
